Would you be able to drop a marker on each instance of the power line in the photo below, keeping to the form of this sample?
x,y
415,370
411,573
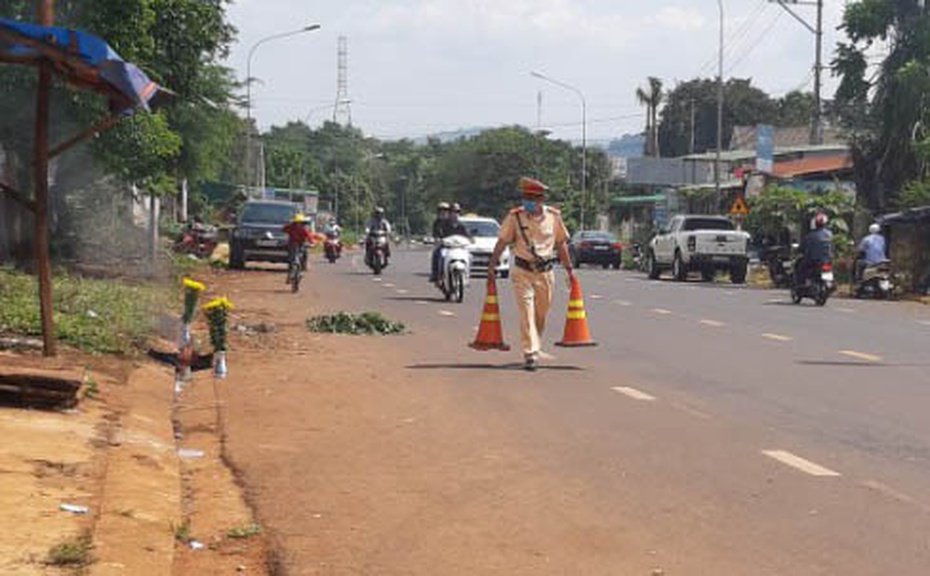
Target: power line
x,y
755,45
735,37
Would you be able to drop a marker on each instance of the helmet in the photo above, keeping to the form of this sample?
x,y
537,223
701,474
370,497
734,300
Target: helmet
x,y
874,228
443,206
299,218
379,211
820,220
456,207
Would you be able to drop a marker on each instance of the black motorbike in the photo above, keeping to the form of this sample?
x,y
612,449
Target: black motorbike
x,y
812,280
777,260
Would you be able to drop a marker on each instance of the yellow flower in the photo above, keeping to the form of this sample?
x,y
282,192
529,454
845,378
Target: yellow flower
x,y
221,302
194,285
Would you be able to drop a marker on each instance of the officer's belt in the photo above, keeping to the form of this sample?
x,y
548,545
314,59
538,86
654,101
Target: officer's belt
x,y
543,265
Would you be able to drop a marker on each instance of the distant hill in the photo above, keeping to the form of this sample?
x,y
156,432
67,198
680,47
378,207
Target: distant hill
x,y
627,146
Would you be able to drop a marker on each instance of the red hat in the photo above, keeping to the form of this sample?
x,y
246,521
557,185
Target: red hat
x,y
531,186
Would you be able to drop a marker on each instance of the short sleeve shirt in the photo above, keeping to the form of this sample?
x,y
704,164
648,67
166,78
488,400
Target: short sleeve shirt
x,y
544,232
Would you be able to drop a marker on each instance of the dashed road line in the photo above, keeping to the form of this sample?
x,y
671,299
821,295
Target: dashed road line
x,y
623,303
446,313
846,310
712,323
662,311
798,463
388,285
634,393
777,337
924,322
861,356
402,291
595,297
377,279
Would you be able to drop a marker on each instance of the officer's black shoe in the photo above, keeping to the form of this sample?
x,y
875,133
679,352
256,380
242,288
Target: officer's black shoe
x,y
530,365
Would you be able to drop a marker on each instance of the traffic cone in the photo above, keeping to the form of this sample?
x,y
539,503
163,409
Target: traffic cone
x,y
576,323
490,335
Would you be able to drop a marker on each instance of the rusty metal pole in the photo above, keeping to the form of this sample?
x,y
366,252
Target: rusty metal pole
x,y
45,10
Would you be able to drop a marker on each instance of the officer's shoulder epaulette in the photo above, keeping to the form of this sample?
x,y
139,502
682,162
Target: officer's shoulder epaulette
x,y
553,210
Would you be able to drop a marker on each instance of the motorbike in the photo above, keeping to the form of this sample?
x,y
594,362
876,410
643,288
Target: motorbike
x,y
875,281
817,285
455,263
777,260
332,248
198,239
376,251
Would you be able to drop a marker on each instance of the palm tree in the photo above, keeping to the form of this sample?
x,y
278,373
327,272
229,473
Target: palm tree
x,y
651,98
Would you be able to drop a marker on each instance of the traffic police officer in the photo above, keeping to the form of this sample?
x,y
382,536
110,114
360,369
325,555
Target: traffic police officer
x,y
539,238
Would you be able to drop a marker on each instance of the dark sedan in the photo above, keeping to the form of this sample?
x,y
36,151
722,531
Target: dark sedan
x,y
594,247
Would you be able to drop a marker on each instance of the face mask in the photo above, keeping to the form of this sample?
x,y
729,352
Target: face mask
x,y
530,206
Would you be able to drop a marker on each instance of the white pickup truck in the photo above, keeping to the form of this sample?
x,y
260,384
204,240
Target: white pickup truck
x,y
702,244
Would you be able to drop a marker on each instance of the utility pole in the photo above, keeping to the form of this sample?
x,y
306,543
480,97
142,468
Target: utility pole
x,y
691,141
816,134
45,11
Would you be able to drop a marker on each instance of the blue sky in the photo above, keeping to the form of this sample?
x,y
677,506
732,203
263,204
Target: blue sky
x,y
418,67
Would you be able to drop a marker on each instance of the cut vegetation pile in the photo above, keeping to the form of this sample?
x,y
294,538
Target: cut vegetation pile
x,y
345,323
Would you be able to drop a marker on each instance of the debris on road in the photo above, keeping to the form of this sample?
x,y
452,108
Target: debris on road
x,y
74,508
345,323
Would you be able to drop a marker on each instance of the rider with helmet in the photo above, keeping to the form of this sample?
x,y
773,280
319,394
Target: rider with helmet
x,y
333,229
377,224
298,235
816,247
446,224
872,250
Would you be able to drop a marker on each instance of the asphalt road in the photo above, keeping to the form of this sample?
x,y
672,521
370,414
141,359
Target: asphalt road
x,y
714,430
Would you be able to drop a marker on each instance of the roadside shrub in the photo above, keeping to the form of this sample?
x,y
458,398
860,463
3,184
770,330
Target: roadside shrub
x,y
344,323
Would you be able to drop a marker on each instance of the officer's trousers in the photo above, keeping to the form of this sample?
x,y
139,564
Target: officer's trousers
x,y
533,292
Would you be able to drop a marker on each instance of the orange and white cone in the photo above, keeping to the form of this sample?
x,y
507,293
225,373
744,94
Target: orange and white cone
x,y
490,334
576,324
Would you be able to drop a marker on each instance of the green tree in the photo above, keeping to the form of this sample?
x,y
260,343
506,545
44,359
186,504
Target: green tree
x,y
651,98
887,109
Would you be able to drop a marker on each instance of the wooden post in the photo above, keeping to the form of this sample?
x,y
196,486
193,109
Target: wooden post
x,y
46,17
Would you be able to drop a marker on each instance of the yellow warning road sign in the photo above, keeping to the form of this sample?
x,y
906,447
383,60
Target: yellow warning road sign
x,y
739,208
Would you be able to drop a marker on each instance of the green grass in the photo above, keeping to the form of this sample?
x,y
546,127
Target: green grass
x,y
99,316
345,323
244,532
74,552
182,533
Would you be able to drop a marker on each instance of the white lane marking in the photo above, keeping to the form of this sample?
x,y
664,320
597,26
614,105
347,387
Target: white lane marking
x,y
846,310
777,337
388,285
662,311
806,466
402,291
924,322
422,302
595,297
376,279
774,301
446,313
861,356
634,393
713,323
623,303
692,411
729,292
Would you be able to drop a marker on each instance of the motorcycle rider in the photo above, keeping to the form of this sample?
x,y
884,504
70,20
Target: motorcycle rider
x,y
298,234
871,250
439,232
377,223
816,248
451,226
333,229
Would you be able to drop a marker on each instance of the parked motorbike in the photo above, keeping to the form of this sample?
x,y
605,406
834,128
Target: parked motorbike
x,y
777,260
455,263
332,248
376,251
875,281
817,284
197,239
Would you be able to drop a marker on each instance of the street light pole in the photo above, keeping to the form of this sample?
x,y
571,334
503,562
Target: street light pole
x,y
248,90
719,102
584,135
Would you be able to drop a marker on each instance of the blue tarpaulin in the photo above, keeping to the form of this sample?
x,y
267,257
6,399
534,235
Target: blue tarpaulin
x,y
82,58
